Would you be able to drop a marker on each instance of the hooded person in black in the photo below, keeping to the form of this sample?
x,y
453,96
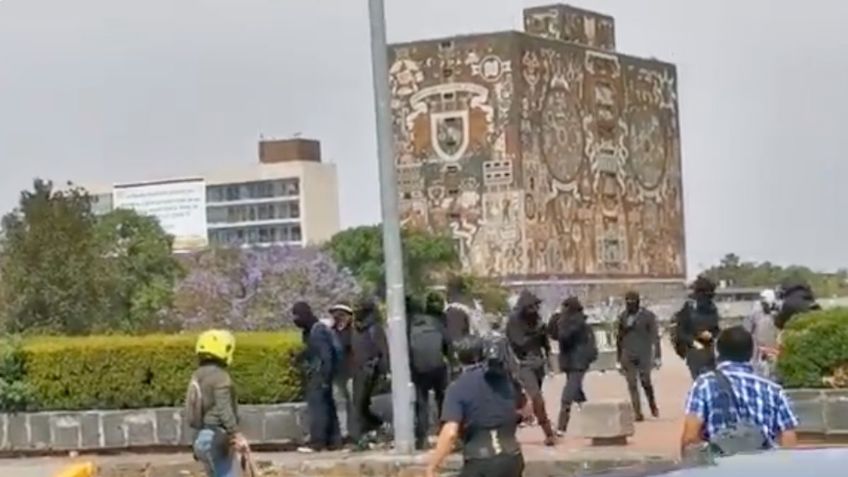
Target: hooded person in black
x,y
577,352
697,327
796,298
530,345
371,363
458,310
638,351
321,357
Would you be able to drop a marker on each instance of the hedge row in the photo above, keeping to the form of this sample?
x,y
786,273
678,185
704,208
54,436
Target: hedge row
x,y
122,372
815,348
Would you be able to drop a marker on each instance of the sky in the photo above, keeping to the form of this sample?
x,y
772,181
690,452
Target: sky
x,y
104,91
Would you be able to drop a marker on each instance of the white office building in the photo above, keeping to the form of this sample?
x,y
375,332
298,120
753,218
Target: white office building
x,y
290,197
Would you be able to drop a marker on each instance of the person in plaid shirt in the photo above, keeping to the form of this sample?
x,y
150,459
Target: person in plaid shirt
x,y
759,401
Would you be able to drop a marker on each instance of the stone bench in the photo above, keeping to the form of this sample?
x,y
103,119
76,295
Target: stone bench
x,y
607,422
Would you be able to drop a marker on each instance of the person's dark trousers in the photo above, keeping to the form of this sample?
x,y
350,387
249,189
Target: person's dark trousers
x,y
638,370
324,432
532,375
364,421
572,393
436,381
700,361
498,466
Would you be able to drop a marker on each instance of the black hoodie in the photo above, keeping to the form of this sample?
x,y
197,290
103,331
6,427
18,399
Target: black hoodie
x,y
368,342
322,354
577,347
525,330
797,298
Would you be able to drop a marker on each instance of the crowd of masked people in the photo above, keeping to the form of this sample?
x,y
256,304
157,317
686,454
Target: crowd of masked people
x,y
488,380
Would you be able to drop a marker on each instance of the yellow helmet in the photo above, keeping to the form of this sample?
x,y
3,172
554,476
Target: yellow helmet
x,y
219,344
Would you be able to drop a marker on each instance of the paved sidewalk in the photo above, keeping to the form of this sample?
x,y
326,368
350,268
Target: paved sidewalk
x,y
654,436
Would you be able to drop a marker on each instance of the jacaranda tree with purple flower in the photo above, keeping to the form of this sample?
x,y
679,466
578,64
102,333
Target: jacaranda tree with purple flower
x,y
254,289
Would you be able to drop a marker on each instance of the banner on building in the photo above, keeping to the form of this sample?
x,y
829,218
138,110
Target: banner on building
x,y
179,205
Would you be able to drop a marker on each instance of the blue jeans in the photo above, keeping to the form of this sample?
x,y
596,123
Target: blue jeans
x,y
217,460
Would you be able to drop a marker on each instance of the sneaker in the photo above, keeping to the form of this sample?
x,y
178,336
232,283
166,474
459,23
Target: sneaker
x,y
306,450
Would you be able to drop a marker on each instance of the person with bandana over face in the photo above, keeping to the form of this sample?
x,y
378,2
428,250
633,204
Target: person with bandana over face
x,y
530,344
638,351
697,327
322,360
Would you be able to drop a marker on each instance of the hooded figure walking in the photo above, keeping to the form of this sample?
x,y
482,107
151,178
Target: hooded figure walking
x,y
577,351
530,345
697,327
638,351
371,363
322,359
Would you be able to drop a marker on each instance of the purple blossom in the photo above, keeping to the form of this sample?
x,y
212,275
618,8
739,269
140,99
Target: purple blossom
x,y
255,289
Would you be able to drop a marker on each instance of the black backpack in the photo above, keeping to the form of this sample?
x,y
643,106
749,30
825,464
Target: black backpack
x,y
426,344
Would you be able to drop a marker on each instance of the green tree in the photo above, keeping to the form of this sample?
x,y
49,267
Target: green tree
x,y
737,272
54,279
426,257
144,271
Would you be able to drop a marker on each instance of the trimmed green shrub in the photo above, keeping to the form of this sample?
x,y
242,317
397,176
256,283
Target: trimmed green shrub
x,y
15,394
815,349
124,372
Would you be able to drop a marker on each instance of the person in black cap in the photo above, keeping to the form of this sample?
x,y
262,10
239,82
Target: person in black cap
x,y
638,351
697,327
482,408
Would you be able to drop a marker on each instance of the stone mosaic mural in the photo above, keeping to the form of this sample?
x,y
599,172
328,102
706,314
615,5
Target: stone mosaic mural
x,y
543,159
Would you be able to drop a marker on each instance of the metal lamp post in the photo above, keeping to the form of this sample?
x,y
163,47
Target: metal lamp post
x,y
402,395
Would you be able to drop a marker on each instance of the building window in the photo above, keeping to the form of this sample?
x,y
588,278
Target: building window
x,y
295,233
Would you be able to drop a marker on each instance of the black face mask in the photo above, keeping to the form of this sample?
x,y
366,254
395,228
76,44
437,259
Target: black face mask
x,y
632,305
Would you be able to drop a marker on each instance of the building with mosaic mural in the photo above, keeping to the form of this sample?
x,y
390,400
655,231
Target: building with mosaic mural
x,y
546,154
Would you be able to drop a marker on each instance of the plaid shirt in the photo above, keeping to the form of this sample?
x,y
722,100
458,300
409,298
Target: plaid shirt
x,y
759,401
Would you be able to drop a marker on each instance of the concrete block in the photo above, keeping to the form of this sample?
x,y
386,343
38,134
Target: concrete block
x,y
141,428
605,420
168,424
836,411
252,422
808,406
66,431
114,431
39,431
282,424
91,437
18,434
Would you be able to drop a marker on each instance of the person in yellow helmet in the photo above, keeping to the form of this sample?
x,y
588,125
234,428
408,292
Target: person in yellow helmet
x,y
211,405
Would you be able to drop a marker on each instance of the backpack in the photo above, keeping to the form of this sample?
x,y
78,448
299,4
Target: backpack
x,y
426,343
194,405
741,436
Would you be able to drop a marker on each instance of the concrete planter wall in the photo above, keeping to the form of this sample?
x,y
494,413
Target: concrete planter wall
x,y
821,412
104,430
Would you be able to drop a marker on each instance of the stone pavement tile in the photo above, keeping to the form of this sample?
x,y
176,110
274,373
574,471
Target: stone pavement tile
x,y
654,436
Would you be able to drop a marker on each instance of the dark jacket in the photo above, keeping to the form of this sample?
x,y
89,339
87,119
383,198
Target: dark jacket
x,y
322,355
457,321
798,298
345,337
695,318
637,336
369,343
525,331
577,347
